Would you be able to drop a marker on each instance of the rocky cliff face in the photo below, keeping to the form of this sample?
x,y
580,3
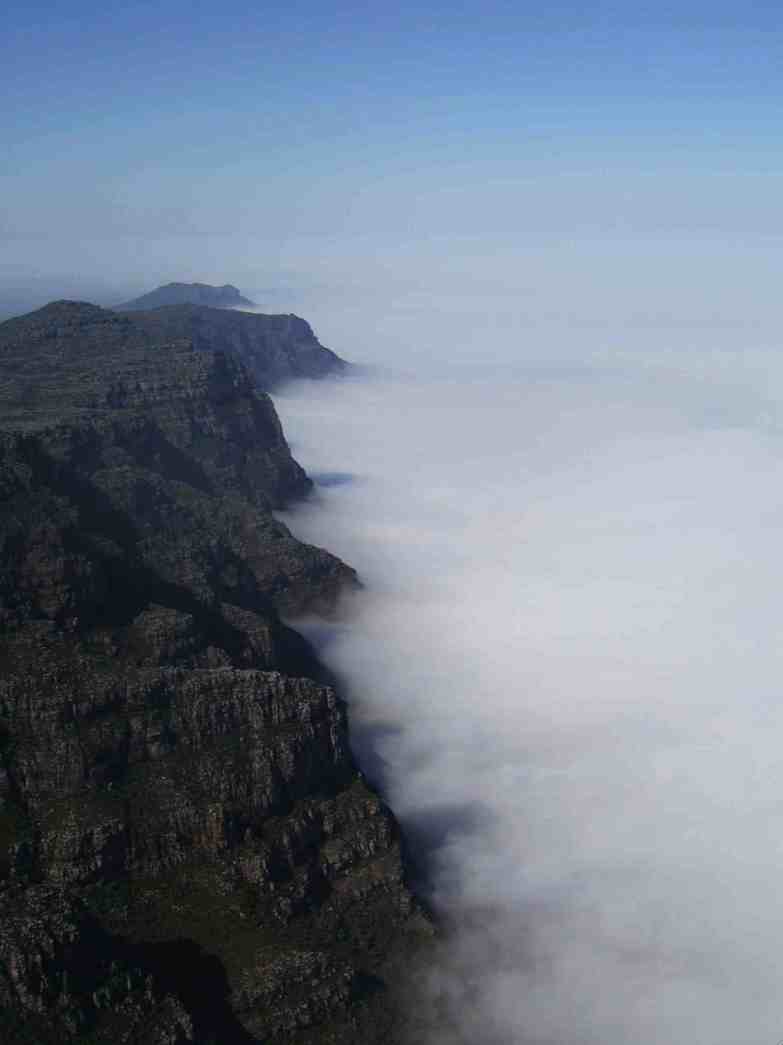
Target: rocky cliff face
x,y
187,850
274,348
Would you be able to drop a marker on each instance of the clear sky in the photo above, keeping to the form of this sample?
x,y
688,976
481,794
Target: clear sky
x,y
289,148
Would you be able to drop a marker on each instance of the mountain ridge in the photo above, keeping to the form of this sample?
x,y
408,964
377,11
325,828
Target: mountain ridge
x,y
188,852
273,348
227,296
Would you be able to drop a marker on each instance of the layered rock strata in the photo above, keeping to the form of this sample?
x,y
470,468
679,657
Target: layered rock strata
x,y
187,849
274,348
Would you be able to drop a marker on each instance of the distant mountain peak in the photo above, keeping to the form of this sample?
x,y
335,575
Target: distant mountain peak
x,y
226,296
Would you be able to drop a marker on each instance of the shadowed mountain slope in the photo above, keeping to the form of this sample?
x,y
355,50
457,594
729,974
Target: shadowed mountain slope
x,y
74,343
274,348
187,850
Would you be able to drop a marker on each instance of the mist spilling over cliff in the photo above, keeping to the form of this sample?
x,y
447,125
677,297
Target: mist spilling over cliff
x,y
564,673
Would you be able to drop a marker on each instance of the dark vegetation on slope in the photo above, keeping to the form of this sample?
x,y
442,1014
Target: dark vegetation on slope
x,y
187,850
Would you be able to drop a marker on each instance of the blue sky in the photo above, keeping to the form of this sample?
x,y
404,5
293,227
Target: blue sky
x,y
236,143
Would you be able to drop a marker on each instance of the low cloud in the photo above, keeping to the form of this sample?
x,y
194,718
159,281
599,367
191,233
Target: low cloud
x,y
564,672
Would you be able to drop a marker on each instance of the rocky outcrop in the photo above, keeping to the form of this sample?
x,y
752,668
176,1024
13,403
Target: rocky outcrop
x,y
190,294
187,850
273,348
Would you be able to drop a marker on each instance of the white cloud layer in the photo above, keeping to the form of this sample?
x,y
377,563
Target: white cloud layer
x,y
565,673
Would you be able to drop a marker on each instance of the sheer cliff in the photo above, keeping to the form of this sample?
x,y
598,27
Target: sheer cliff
x,y
274,348
187,849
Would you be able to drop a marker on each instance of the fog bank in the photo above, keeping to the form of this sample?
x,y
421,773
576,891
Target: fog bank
x,y
564,673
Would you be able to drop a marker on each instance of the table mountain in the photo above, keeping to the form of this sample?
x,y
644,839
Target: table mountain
x,y
188,852
190,294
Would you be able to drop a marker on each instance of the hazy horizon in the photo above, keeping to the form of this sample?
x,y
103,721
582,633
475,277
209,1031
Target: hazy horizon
x,y
609,166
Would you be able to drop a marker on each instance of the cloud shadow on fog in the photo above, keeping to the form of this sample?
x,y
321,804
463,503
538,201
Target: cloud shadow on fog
x,y
428,831
425,831
328,480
